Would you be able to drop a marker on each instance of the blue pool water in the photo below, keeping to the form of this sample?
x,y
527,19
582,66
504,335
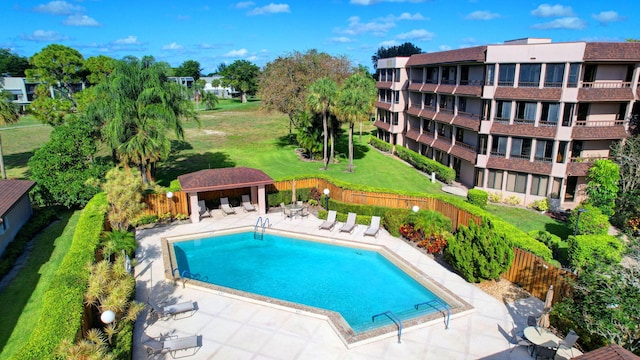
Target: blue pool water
x,y
354,282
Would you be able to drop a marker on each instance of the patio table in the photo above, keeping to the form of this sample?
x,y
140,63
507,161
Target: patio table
x,y
539,336
295,209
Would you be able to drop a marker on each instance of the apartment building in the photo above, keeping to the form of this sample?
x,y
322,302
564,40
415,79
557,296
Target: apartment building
x,y
523,119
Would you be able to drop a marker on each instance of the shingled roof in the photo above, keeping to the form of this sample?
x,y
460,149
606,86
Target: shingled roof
x,y
611,352
612,51
221,179
11,191
472,54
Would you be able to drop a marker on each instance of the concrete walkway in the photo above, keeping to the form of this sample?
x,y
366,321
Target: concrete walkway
x,y
238,328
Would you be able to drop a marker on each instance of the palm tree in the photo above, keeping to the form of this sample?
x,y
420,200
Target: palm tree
x,y
355,103
8,115
321,99
138,106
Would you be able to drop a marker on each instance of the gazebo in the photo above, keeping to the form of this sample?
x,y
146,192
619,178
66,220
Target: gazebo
x,y
223,179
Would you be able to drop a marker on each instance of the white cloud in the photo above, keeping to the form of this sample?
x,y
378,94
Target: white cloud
x,y
444,48
129,40
373,2
252,58
57,8
270,9
546,10
209,46
406,16
605,17
44,35
172,46
80,20
341,39
421,34
244,4
236,53
572,23
482,15
389,43
377,28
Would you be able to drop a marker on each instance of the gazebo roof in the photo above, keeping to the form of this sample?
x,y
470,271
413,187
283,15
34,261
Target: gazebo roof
x,y
222,179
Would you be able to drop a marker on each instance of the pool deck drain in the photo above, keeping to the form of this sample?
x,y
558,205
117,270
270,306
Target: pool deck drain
x,y
232,327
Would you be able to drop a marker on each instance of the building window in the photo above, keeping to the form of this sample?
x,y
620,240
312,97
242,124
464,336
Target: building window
x,y
544,150
490,72
428,100
494,180
539,185
583,112
567,114
462,104
394,119
506,74
562,152
574,71
396,97
554,74
556,185
520,148
442,129
503,110
499,146
397,77
529,75
479,179
448,75
432,75
446,102
426,125
525,112
482,141
460,135
550,113
516,182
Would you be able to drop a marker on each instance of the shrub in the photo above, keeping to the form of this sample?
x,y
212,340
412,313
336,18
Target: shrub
x,y
478,197
540,205
513,200
422,163
585,250
380,145
479,253
550,240
495,197
145,220
592,220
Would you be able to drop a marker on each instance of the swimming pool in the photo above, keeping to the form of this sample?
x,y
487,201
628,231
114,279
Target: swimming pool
x,y
354,282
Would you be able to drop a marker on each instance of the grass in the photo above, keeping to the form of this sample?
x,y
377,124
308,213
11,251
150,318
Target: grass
x,y
528,220
19,143
21,301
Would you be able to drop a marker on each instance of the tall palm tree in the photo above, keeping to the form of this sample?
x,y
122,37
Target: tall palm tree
x,y
138,106
8,115
355,103
321,98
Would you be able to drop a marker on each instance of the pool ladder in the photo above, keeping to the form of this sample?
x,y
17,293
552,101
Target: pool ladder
x,y
260,224
440,306
393,318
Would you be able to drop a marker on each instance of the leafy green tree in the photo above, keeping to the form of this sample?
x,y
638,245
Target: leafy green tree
x,y
189,68
8,115
406,49
64,168
138,107
98,68
13,64
355,103
210,100
590,222
242,75
478,252
284,82
602,185
627,155
604,308
124,194
309,134
321,99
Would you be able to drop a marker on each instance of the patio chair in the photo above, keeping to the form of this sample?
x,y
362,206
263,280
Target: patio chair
x,y
304,212
330,222
172,345
374,227
203,210
286,212
187,309
569,340
545,353
246,204
226,208
350,225
518,340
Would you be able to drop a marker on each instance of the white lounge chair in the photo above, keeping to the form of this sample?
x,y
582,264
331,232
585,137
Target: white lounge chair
x,y
172,344
246,204
203,210
186,309
374,227
330,222
226,208
350,225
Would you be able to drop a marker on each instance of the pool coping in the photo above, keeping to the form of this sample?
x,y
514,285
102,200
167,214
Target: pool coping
x,y
351,339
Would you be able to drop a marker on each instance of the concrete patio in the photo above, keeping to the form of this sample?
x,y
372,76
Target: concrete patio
x,y
238,328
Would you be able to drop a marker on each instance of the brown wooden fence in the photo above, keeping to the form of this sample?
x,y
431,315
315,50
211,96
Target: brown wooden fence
x,y
535,275
159,204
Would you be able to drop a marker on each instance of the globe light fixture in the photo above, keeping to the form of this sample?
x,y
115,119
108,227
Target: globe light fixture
x,y
415,208
170,197
326,198
108,317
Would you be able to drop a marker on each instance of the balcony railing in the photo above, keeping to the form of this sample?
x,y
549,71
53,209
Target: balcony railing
x,y
520,156
553,84
549,123
523,121
543,159
501,120
472,82
505,83
606,84
469,115
588,159
498,154
528,84
600,123
448,82
467,146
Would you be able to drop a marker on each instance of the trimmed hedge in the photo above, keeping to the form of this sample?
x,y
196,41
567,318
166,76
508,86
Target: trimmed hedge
x,y
63,303
422,163
587,249
478,197
380,145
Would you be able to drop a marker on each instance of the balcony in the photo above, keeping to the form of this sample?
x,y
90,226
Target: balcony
x,y
609,91
464,151
605,84
595,130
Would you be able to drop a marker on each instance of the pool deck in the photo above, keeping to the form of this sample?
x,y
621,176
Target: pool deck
x,y
237,328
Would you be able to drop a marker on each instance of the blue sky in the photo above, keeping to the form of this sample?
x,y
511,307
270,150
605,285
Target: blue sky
x,y
214,32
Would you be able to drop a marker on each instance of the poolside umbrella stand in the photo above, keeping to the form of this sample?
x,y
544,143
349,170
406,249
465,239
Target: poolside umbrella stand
x,y
293,192
548,302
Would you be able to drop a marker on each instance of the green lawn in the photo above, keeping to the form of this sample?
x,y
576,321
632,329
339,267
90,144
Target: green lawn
x,y
21,301
19,142
527,220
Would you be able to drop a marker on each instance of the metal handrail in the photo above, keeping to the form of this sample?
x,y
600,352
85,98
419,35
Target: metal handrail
x,y
434,302
393,318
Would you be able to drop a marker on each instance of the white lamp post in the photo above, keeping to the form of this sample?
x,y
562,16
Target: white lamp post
x,y
326,198
108,317
170,197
